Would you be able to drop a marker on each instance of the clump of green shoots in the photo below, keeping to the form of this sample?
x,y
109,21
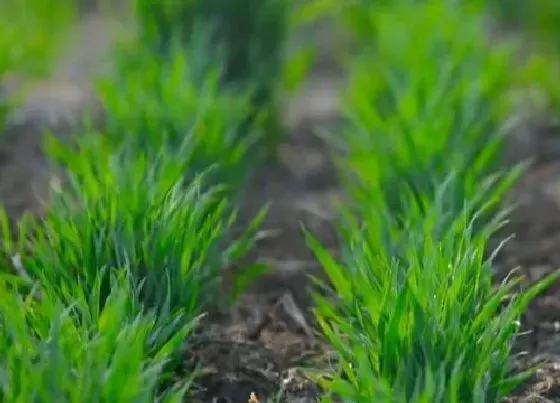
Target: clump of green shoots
x,y
122,208
147,201
411,308
426,96
176,106
246,36
130,216
424,324
56,351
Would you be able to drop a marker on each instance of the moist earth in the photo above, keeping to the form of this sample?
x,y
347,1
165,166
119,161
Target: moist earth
x,y
259,346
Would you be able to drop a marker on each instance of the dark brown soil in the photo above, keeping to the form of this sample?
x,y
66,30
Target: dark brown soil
x,y
536,251
259,345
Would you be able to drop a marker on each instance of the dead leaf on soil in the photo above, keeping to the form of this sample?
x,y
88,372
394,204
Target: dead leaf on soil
x,y
290,307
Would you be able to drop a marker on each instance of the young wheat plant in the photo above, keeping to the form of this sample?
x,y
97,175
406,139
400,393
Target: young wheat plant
x,y
410,308
246,37
53,351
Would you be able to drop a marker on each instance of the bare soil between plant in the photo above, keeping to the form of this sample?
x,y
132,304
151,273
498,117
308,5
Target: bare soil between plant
x,y
259,345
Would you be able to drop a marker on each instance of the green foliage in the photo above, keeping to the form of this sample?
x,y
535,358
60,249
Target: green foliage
x,y
416,313
175,106
133,217
53,351
108,284
537,19
410,307
250,32
425,97
247,36
30,33
538,79
129,255
123,209
536,25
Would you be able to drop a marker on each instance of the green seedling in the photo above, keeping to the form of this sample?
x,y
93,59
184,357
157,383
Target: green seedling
x,y
412,311
176,106
410,307
427,96
53,351
134,237
124,209
247,36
